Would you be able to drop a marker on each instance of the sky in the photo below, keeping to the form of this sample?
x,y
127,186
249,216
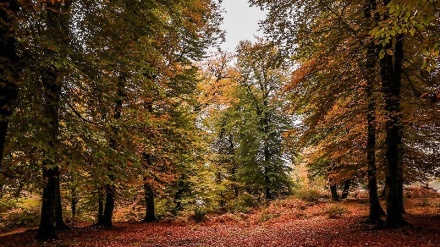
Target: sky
x,y
240,22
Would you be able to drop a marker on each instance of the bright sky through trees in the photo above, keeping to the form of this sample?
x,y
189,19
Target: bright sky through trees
x,y
240,22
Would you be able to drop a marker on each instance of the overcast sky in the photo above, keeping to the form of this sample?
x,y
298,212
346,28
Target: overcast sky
x,y
240,22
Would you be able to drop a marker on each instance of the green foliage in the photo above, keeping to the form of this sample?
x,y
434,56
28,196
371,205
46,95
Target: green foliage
x,y
23,212
19,217
127,79
336,211
425,202
199,215
411,18
244,203
265,216
310,195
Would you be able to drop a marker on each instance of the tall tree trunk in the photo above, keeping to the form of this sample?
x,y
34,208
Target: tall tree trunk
x,y
101,197
52,94
178,195
267,192
375,209
8,68
218,181
346,189
74,202
110,189
333,190
150,214
57,22
267,154
46,229
234,166
391,70
107,216
18,191
59,221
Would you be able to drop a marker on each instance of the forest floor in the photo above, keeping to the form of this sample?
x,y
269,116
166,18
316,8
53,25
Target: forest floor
x,y
288,222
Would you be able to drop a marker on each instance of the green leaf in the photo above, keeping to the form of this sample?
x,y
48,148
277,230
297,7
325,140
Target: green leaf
x,y
381,54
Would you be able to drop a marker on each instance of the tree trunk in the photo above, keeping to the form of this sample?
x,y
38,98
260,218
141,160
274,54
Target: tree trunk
x,y
107,216
56,22
59,222
267,192
101,194
234,166
222,197
334,190
110,188
375,209
52,94
267,155
391,70
8,69
150,214
74,202
18,191
178,196
46,229
346,189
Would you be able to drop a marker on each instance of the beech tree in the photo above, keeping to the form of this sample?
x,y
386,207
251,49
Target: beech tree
x,y
250,125
88,61
371,34
9,68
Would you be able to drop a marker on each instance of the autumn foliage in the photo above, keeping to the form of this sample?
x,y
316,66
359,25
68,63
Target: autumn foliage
x,y
287,222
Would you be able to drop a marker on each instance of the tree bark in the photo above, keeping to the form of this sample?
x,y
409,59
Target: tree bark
x,y
57,22
59,221
110,189
52,94
46,229
391,70
267,154
74,202
107,216
346,189
150,214
375,209
234,166
101,195
333,190
8,68
178,196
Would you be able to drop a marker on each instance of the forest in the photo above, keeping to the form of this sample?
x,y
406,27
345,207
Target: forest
x,y
123,123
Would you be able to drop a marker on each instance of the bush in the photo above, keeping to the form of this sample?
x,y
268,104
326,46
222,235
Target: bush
x,y
199,215
336,211
244,203
425,202
19,217
6,205
310,195
265,216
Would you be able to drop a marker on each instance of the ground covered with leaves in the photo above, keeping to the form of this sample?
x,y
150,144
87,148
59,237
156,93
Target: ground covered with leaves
x,y
288,222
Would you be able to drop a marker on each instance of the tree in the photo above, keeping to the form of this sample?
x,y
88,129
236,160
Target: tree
x,y
316,32
376,211
218,88
262,166
9,68
85,60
